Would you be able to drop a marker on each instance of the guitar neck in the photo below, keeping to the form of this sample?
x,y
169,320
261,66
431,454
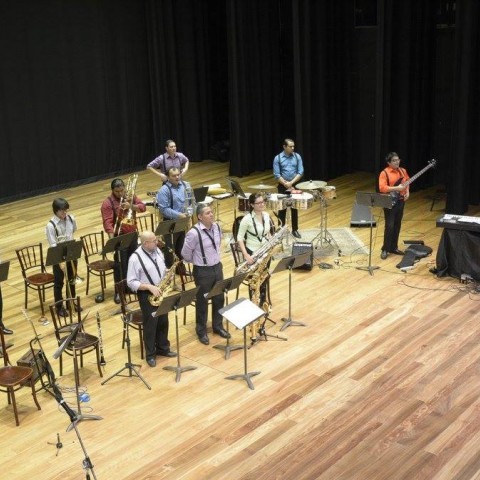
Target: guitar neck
x,y
421,172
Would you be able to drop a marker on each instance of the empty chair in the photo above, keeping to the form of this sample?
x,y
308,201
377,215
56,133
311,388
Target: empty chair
x,y
97,262
131,310
237,259
35,275
82,343
14,377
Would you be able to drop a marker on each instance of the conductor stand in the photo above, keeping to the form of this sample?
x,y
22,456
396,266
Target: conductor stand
x,y
70,341
372,199
289,263
87,464
115,245
224,286
241,313
131,367
67,252
174,302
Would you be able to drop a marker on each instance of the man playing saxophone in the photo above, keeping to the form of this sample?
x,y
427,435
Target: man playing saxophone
x,y
114,209
202,247
146,269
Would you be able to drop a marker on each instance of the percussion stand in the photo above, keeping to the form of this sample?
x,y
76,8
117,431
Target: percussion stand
x,y
289,263
131,367
373,200
174,302
324,236
224,286
241,313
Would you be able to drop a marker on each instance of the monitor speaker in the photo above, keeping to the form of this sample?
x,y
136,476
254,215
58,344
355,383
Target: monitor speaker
x,y
362,216
304,247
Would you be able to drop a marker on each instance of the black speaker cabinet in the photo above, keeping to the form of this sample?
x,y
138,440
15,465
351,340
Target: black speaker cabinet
x,y
35,363
304,247
362,216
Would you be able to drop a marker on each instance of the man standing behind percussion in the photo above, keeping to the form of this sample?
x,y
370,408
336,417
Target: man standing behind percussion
x,y
171,158
61,228
113,210
389,181
202,247
146,268
172,199
288,170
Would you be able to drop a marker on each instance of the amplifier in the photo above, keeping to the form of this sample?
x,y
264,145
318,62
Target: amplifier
x,y
34,362
304,247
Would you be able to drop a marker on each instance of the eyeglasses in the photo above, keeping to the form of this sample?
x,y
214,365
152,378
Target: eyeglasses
x,y
259,203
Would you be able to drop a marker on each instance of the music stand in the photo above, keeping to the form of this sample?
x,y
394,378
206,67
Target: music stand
x,y
373,199
119,242
4,267
224,286
289,263
174,302
70,339
237,192
131,367
241,313
68,251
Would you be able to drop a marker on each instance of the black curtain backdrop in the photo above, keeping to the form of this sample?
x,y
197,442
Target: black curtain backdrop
x,y
90,89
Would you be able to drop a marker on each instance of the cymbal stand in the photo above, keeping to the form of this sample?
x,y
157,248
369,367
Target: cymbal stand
x,y
324,236
131,367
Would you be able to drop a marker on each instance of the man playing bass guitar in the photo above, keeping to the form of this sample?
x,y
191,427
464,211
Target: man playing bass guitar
x,y
391,180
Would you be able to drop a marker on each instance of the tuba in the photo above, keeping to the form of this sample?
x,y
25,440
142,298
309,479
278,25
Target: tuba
x,y
164,285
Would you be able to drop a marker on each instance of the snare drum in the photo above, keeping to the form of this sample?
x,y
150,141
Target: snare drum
x,y
329,192
243,205
302,201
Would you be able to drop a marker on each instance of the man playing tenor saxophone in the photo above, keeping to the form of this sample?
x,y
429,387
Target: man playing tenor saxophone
x,y
146,270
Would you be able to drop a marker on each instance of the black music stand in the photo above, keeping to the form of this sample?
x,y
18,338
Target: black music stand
x,y
68,251
169,227
237,191
241,313
4,267
289,263
224,286
174,302
131,367
373,199
68,340
119,242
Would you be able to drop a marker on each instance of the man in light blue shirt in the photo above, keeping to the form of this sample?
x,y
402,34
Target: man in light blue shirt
x,y
288,170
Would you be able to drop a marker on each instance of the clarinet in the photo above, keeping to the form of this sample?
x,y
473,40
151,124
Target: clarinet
x,y
100,341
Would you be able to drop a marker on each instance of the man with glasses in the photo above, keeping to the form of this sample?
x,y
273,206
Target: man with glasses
x,y
288,170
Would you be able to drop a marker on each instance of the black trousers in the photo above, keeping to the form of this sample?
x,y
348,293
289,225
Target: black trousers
x,y
121,257
282,214
58,280
173,242
393,223
155,329
205,278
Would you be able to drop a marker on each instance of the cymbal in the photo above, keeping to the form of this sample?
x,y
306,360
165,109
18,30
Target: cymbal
x,y
262,186
311,185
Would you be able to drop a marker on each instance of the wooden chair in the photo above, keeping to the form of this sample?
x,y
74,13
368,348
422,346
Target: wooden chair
x,y
14,377
127,301
237,259
34,272
97,263
145,222
83,342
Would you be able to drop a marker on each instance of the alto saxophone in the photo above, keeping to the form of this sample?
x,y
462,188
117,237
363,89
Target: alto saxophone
x,y
164,285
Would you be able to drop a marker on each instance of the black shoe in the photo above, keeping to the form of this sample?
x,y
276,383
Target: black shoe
x,y
5,330
151,362
61,312
116,298
296,234
170,353
204,339
433,270
398,252
222,332
384,255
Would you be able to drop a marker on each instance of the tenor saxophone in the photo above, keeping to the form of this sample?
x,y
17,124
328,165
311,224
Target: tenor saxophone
x,y
164,285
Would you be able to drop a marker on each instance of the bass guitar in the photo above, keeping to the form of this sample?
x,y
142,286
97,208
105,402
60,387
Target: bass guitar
x,y
396,195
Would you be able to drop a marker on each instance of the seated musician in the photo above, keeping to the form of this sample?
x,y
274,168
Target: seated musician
x,y
253,232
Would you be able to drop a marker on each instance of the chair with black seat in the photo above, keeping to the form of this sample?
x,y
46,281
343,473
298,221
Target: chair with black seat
x,y
130,309
34,272
83,342
97,262
14,377
145,222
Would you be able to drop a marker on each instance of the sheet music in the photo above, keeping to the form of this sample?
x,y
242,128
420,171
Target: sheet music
x,y
448,217
241,312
